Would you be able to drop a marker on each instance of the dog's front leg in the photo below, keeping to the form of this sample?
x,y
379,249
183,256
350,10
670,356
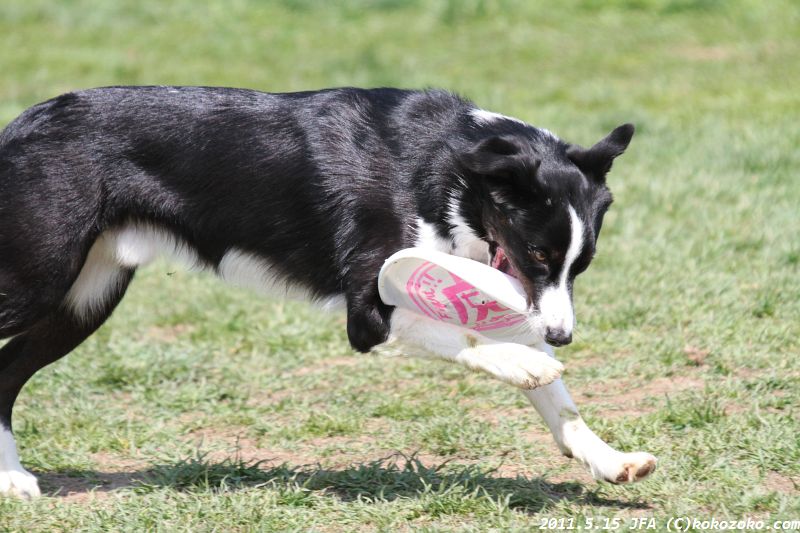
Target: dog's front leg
x,y
575,439
519,365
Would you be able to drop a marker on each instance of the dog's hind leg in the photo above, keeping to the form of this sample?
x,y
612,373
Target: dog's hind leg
x,y
52,337
575,439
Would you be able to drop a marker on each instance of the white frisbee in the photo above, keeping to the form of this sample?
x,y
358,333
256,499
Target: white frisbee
x,y
457,291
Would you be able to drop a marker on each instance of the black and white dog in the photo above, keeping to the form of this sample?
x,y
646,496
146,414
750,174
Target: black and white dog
x,y
306,192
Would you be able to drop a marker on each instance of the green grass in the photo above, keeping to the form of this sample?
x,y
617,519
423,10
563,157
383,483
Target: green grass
x,y
199,407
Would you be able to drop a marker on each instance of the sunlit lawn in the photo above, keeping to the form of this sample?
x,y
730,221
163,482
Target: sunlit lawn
x,y
201,407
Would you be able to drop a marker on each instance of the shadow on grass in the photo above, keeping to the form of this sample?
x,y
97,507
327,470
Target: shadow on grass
x,y
390,478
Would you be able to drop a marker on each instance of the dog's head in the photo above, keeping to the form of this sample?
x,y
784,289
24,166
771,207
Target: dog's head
x,y
540,204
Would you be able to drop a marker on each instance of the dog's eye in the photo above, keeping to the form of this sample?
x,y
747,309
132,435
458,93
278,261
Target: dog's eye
x,y
538,255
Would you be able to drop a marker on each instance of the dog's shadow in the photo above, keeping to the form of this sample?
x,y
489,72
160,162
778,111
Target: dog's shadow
x,y
386,479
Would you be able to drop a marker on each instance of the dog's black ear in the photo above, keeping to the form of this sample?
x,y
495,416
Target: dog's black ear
x,y
500,156
596,161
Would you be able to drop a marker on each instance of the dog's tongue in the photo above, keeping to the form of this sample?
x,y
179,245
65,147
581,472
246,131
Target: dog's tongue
x,y
500,262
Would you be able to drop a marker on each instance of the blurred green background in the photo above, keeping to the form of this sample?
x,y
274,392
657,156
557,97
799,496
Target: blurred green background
x,y
689,319
675,59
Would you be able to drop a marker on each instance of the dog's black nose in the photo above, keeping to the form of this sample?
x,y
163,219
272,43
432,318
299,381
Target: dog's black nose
x,y
557,337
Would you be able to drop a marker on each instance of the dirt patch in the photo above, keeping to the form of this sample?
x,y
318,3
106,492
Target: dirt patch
x,y
706,53
628,397
217,445
168,333
114,463
781,483
697,356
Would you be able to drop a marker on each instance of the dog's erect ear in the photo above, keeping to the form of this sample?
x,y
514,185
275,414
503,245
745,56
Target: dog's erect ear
x,y
596,161
500,156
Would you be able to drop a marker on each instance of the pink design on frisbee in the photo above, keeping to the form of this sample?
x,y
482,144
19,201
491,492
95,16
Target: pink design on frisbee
x,y
443,296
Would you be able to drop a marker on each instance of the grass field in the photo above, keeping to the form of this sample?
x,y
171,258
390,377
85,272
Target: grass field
x,y
203,408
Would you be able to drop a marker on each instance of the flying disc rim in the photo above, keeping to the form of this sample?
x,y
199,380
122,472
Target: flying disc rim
x,y
490,281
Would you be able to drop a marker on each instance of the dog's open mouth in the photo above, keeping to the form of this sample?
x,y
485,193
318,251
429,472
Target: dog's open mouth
x,y
500,260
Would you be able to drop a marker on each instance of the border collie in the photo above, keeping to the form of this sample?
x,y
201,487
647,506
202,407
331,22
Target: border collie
x,y
306,192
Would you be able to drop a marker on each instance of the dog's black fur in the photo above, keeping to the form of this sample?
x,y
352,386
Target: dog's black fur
x,y
323,185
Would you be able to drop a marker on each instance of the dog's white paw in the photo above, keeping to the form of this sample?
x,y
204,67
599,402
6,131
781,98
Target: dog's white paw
x,y
518,365
625,467
19,483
